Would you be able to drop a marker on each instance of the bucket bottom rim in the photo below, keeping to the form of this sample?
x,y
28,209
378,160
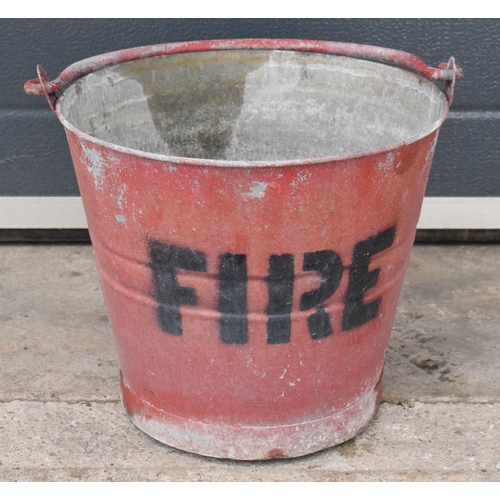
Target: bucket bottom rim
x,y
247,442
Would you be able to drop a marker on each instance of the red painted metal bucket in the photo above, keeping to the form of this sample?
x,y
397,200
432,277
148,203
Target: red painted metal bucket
x,y
252,206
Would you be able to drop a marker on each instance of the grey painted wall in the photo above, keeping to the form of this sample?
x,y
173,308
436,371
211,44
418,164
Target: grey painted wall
x,y
34,157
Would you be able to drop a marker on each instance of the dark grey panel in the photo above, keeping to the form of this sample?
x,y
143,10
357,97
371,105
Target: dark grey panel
x,y
33,153
467,158
82,236
56,43
38,163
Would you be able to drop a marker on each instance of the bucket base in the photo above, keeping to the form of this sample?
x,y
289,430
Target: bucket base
x,y
251,443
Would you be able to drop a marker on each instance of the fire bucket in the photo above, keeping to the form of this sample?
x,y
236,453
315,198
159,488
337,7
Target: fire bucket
x,y
252,205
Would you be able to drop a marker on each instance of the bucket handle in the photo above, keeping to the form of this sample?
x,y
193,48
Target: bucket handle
x,y
447,72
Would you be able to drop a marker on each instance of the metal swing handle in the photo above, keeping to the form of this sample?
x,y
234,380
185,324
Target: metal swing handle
x,y
447,72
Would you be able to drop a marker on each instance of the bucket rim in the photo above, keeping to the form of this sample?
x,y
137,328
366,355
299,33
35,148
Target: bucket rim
x,y
202,162
378,55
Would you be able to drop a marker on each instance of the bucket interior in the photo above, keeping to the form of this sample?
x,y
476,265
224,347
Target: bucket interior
x,y
253,105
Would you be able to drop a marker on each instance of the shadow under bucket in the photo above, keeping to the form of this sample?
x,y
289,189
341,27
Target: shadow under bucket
x,y
252,205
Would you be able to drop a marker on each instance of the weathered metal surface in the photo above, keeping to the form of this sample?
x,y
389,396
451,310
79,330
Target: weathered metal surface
x,y
252,214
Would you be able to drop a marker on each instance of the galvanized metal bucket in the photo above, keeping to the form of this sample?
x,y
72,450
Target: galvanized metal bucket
x,y
252,206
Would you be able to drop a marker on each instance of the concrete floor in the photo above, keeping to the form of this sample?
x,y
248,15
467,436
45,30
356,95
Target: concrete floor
x,y
61,418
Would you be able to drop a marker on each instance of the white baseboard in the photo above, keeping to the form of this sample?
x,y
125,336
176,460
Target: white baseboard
x,y
49,212
44,212
460,213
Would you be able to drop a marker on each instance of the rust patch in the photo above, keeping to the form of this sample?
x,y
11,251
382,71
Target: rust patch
x,y
195,101
276,453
